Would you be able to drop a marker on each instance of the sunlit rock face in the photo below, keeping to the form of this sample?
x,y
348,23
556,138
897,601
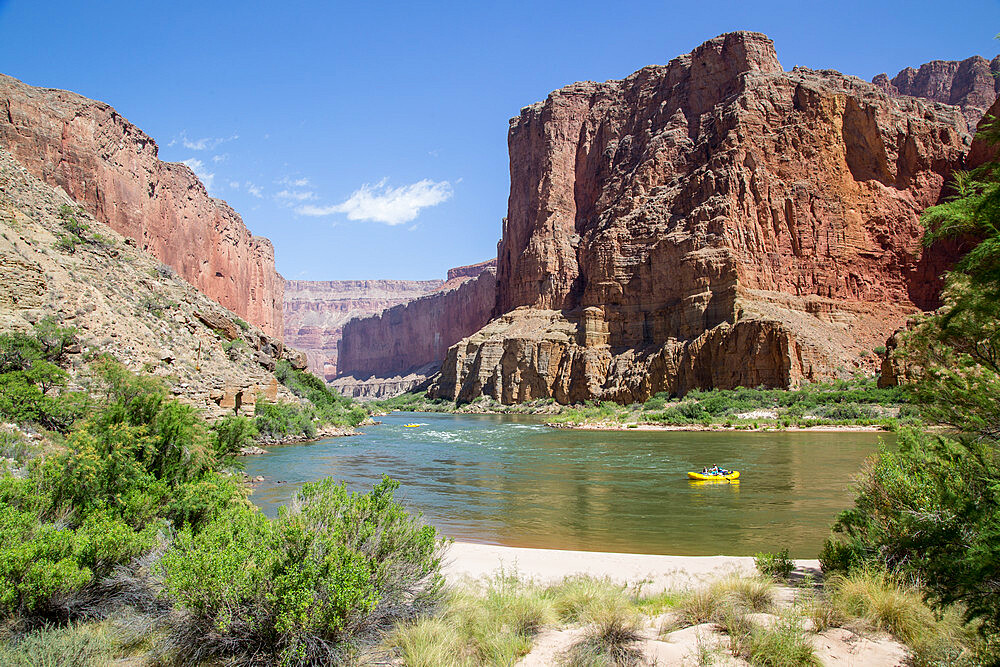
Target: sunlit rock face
x,y
317,310
970,84
111,167
713,222
395,350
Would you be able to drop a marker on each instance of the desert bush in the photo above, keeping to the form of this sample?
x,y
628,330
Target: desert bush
x,y
334,569
774,565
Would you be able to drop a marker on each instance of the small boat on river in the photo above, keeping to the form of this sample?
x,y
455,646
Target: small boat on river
x,y
411,425
723,476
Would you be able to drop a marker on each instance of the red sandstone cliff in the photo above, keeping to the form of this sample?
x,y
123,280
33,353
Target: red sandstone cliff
x,y
315,312
110,166
714,222
416,334
970,84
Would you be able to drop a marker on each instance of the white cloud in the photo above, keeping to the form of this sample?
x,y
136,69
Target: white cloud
x,y
296,195
293,182
235,185
253,189
379,203
203,144
220,158
198,167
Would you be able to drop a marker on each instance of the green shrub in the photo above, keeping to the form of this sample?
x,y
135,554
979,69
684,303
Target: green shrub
x,y
330,407
777,566
331,570
68,243
233,433
281,420
839,556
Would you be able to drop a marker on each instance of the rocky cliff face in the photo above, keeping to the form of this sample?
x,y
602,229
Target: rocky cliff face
x,y
315,312
970,84
125,303
713,222
380,354
110,167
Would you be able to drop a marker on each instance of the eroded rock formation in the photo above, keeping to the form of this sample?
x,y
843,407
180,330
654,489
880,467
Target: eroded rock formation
x,y
110,167
392,352
714,222
970,84
316,311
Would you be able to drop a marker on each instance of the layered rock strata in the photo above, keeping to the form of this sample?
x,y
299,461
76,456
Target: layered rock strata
x,y
315,312
111,168
714,222
393,351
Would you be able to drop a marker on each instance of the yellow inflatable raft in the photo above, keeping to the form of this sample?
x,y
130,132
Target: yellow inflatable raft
x,y
735,474
411,425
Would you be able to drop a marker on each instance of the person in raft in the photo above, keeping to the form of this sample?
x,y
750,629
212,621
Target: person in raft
x,y
714,470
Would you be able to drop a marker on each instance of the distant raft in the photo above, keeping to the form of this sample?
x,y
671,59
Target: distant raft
x,y
729,477
411,425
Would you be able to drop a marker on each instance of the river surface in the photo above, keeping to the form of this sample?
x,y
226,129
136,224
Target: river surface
x,y
507,479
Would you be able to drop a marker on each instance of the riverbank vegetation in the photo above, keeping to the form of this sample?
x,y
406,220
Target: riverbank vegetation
x,y
930,509
125,530
855,402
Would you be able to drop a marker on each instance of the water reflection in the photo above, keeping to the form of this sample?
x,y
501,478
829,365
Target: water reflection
x,y
509,480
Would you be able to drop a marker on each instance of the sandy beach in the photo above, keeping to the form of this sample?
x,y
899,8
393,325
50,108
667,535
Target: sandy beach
x,y
657,573
832,646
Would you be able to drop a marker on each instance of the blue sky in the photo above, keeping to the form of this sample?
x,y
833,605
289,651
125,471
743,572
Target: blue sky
x,y
368,140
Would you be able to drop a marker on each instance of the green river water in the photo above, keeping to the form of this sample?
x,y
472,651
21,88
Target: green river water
x,y
508,479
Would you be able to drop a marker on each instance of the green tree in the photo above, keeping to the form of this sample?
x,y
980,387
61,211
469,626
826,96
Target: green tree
x,y
932,508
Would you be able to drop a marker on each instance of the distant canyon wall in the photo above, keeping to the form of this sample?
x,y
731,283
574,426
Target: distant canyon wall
x,y
715,222
111,167
379,351
316,311
970,84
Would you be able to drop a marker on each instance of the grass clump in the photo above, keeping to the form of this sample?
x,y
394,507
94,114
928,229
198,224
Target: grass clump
x,y
74,645
613,630
490,623
785,644
881,601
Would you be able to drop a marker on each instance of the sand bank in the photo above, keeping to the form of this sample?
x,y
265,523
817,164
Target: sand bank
x,y
471,560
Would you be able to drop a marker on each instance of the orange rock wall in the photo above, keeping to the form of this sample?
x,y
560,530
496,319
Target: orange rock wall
x,y
111,167
722,214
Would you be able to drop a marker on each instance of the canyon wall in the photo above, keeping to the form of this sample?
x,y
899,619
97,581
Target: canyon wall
x,y
971,84
393,351
714,222
315,312
111,168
